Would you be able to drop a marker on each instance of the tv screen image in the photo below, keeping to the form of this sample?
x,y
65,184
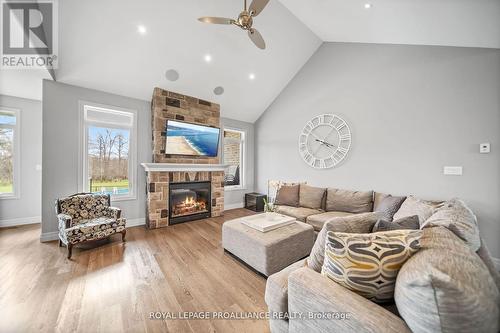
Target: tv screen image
x,y
192,140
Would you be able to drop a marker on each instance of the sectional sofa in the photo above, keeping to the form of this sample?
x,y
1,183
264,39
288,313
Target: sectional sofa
x,y
449,285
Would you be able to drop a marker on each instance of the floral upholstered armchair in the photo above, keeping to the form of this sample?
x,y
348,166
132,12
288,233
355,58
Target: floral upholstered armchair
x,y
85,217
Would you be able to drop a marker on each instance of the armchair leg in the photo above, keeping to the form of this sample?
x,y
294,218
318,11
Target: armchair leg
x,y
124,232
70,250
60,242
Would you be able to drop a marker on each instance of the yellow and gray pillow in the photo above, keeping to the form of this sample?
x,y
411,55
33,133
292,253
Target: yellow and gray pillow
x,y
368,264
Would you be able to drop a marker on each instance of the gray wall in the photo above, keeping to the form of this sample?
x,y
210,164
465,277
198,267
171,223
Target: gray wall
x,y
234,198
412,110
60,147
28,207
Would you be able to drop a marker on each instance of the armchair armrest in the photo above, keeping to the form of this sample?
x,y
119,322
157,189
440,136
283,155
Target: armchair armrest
x,y
114,212
65,221
311,293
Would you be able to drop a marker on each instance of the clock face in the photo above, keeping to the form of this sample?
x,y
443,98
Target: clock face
x,y
325,141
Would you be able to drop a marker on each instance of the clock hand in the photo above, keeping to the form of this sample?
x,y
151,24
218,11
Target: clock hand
x,y
326,143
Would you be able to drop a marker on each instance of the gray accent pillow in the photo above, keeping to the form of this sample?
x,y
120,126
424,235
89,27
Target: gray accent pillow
x,y
349,201
389,205
409,222
415,206
311,197
457,217
288,196
359,223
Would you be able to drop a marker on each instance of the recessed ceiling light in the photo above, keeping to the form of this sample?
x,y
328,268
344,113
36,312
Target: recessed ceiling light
x,y
208,58
368,5
142,29
172,75
219,90
251,76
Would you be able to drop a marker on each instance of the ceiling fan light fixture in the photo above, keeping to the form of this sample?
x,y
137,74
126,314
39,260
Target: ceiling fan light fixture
x,y
251,76
208,58
368,5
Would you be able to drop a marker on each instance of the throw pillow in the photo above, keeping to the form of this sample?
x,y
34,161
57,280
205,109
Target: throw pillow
x,y
368,264
410,222
446,287
457,217
359,223
389,205
288,196
311,197
414,206
349,201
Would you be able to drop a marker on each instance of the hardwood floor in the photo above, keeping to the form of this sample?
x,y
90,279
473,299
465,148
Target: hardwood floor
x,y
114,287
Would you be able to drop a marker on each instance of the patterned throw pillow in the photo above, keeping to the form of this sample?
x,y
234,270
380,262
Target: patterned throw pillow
x,y
410,222
368,264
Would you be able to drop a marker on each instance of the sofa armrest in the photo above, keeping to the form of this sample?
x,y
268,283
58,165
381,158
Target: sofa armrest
x,y
310,293
276,296
65,221
114,212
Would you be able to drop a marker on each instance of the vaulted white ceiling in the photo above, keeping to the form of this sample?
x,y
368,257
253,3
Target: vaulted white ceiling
x,y
469,23
100,47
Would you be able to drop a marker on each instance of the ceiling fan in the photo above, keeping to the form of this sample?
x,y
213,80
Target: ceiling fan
x,y
244,21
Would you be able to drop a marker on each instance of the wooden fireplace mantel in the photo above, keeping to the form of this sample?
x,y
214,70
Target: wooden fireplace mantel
x,y
173,167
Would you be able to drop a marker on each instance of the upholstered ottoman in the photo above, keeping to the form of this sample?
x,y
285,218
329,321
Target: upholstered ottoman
x,y
268,252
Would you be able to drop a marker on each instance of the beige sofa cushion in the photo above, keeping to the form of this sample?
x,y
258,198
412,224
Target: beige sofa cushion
x,y
359,223
446,287
349,201
311,197
368,263
458,218
300,213
318,220
288,195
414,206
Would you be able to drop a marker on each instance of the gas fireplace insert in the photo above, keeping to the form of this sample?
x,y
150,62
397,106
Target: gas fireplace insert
x,y
189,201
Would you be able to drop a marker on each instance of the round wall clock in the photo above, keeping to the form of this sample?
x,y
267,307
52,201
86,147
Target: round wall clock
x,y
325,141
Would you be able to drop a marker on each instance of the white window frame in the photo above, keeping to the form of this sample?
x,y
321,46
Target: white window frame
x,y
16,181
242,143
83,184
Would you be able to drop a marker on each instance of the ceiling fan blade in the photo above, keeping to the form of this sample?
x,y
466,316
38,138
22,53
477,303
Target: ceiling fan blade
x,y
216,20
256,38
257,6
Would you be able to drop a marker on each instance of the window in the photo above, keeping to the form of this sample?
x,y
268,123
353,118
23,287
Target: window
x,y
233,156
9,153
109,152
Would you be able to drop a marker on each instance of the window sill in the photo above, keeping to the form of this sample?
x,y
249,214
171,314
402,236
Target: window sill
x,y
234,188
9,196
124,198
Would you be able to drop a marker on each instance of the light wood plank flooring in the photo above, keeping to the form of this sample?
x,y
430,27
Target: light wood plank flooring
x,y
114,287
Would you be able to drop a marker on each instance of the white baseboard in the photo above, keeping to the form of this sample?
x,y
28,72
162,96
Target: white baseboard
x,y
136,222
54,235
49,236
20,221
234,206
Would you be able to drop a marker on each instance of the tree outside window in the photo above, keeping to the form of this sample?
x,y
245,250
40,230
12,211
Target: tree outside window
x,y
8,128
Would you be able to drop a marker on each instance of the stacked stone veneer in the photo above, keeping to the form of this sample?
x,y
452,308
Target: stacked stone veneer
x,y
169,105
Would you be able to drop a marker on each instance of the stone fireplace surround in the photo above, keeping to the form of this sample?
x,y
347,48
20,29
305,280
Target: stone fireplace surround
x,y
167,169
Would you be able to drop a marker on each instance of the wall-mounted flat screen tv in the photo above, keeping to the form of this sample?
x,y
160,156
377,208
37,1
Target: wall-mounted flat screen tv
x,y
191,140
